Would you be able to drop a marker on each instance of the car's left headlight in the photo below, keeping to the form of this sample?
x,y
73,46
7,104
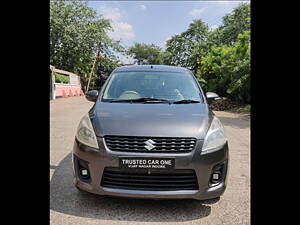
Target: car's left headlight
x,y
215,137
85,132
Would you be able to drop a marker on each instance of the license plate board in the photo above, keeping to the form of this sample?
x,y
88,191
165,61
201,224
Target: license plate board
x,y
146,163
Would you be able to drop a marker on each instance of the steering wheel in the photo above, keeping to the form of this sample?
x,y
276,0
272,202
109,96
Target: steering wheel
x,y
129,95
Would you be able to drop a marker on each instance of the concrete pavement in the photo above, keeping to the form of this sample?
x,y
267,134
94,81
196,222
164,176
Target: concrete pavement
x,y
68,206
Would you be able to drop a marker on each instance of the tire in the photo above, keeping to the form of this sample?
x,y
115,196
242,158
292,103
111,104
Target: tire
x,y
211,201
81,191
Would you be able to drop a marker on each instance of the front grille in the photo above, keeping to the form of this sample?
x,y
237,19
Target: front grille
x,y
137,144
156,181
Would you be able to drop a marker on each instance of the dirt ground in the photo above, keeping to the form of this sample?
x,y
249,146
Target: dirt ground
x,y
67,206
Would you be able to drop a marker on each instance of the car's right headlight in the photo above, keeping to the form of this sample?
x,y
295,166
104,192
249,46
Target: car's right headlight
x,y
215,137
85,132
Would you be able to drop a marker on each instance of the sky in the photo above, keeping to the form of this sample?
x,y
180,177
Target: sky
x,y
154,22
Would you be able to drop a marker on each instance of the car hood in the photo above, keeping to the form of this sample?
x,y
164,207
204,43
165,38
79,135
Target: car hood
x,y
151,120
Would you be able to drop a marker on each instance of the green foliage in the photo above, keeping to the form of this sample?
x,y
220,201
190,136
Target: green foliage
x,y
220,58
59,78
226,69
186,48
103,70
234,24
76,32
145,54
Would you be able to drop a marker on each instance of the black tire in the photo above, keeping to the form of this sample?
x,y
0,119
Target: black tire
x,y
81,191
211,201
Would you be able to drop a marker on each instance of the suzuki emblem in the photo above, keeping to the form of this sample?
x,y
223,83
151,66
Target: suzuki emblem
x,y
149,144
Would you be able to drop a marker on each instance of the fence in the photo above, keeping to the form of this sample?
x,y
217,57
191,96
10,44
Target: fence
x,y
70,89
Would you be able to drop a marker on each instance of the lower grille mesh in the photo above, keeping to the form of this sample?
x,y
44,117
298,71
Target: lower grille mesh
x,y
156,181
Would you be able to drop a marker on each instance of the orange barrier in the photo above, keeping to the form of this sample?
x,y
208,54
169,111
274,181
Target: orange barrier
x,y
65,91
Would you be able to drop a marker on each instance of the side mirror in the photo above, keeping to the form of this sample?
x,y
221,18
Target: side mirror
x,y
211,96
92,95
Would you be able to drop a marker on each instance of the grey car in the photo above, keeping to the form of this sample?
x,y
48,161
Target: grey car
x,y
151,134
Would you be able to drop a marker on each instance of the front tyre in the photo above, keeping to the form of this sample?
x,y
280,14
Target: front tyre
x,y
80,190
210,201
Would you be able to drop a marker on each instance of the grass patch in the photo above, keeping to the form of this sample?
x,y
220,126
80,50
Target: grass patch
x,y
60,78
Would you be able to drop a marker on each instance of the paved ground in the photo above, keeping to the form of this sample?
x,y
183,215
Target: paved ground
x,y
70,207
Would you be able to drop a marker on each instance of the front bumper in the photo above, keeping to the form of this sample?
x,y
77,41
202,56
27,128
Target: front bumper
x,y
203,165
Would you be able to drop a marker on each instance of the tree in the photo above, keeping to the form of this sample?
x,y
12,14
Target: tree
x,y
75,34
103,70
234,24
220,58
145,54
166,58
226,69
186,48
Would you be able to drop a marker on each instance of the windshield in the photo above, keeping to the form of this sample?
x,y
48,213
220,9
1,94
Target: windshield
x,y
160,85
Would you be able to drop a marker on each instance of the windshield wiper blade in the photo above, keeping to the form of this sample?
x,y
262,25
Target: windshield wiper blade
x,y
185,101
146,99
120,100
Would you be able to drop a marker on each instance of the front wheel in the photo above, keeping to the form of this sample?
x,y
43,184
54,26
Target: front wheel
x,y
80,190
210,201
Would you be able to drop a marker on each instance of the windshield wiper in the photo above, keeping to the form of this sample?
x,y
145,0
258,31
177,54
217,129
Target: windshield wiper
x,y
145,99
185,101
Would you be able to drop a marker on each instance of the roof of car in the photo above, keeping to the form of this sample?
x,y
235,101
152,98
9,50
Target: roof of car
x,y
156,68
